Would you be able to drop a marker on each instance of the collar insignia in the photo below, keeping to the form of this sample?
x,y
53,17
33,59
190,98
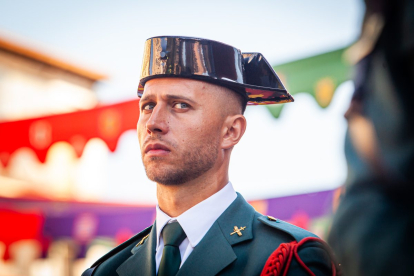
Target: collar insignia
x,y
238,230
142,241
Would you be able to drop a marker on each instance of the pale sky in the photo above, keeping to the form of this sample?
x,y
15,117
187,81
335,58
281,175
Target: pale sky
x,y
300,152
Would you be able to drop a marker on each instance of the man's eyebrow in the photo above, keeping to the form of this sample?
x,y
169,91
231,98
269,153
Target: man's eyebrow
x,y
145,98
169,97
178,97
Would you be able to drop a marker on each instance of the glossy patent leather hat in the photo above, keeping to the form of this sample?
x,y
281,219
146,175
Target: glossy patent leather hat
x,y
248,74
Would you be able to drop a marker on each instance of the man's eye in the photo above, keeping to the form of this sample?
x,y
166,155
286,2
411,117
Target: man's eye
x,y
181,105
148,107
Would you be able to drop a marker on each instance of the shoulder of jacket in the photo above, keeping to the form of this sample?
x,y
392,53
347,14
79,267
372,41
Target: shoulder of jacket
x,y
140,237
295,232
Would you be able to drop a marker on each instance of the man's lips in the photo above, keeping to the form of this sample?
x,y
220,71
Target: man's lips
x,y
156,149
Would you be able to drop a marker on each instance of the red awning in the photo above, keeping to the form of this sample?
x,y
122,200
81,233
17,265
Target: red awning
x,y
21,226
76,128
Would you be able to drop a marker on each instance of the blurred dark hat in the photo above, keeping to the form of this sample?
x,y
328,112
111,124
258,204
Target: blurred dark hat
x,y
248,74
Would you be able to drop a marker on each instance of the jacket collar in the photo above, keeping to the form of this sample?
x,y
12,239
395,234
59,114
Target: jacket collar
x,y
142,259
239,214
197,220
215,251
210,256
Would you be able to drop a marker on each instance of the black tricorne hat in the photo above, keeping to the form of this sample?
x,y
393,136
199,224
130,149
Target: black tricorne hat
x,y
248,74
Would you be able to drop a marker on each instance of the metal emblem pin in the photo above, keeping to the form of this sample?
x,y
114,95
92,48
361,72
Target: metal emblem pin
x,y
238,230
142,241
271,218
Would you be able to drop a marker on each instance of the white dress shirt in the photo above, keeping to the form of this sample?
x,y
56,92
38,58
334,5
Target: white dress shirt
x,y
195,222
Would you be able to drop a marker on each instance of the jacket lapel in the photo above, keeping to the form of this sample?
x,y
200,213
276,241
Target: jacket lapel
x,y
239,214
142,262
204,259
215,251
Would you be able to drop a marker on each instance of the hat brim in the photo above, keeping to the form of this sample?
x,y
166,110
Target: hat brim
x,y
248,74
254,95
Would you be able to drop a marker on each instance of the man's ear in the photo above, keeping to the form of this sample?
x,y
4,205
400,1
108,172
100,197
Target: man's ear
x,y
233,130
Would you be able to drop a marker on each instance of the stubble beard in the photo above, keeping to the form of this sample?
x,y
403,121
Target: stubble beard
x,y
193,163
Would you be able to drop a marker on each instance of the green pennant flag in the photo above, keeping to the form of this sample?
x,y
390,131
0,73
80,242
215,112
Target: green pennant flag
x,y
318,75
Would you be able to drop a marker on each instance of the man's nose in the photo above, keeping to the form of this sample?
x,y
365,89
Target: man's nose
x,y
157,123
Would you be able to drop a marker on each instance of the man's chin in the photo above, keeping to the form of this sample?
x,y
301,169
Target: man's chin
x,y
166,179
162,173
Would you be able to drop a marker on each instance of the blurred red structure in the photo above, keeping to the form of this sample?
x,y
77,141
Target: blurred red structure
x,y
21,226
76,128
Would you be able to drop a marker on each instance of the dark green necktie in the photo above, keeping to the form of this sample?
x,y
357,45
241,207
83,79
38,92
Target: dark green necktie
x,y
173,235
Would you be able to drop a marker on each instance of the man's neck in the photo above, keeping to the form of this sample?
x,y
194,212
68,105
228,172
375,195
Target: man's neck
x,y
176,199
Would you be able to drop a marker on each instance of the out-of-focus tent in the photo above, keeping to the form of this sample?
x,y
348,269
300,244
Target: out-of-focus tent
x,y
76,128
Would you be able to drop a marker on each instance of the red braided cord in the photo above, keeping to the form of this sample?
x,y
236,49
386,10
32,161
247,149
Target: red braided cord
x,y
279,261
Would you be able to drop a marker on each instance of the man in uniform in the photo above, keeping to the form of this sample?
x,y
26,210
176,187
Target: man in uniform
x,y
193,94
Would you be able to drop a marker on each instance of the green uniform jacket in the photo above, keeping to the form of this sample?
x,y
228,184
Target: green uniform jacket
x,y
220,253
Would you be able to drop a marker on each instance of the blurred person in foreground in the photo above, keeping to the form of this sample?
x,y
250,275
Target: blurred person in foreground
x,y
193,94
372,232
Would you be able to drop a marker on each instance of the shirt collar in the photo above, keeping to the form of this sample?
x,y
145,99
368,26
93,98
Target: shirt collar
x,y
197,220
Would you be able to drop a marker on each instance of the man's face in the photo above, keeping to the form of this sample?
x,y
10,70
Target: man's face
x,y
178,129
